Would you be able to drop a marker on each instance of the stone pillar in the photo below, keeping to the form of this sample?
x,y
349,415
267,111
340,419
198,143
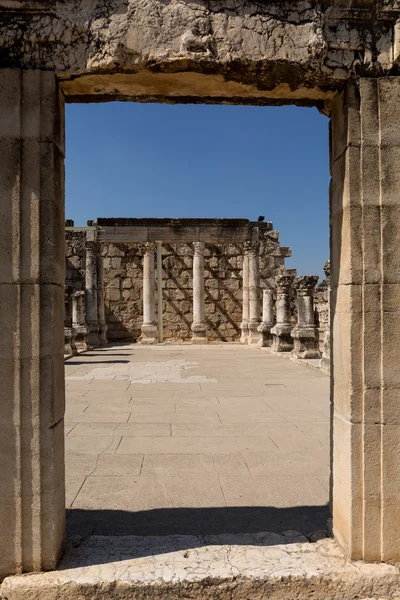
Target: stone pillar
x,y
325,364
32,276
365,317
69,331
254,295
100,303
199,326
282,341
267,319
245,302
305,333
79,320
91,290
149,327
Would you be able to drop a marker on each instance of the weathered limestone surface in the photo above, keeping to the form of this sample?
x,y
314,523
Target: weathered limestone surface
x,y
149,327
79,319
217,50
217,567
92,318
254,294
32,276
267,318
199,326
305,333
325,363
223,273
365,259
100,302
281,332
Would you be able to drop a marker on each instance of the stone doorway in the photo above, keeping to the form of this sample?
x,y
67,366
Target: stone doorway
x,y
338,57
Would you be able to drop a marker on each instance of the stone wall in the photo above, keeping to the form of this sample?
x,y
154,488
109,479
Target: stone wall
x,y
123,283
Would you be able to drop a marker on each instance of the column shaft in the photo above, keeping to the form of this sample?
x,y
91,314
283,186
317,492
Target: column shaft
x,y
245,301
199,327
92,318
325,364
365,277
305,334
149,327
282,340
32,277
100,303
267,319
79,320
254,295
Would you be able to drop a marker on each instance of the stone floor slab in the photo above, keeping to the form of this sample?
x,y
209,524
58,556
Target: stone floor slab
x,y
240,454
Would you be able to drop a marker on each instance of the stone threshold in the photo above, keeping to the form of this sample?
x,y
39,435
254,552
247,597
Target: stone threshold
x,y
261,566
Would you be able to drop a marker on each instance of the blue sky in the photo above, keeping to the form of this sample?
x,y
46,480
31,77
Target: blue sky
x,y
153,160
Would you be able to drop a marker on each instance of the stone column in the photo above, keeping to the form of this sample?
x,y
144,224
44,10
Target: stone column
x,y
149,327
325,364
282,341
79,319
91,290
199,326
245,302
100,303
267,319
365,317
254,295
69,330
305,333
32,277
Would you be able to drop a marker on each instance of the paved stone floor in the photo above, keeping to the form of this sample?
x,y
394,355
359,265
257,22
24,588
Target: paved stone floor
x,y
195,440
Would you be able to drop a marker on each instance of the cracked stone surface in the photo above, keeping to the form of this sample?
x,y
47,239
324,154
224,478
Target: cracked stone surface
x,y
262,565
235,49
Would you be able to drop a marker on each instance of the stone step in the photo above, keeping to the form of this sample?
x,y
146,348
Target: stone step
x,y
261,566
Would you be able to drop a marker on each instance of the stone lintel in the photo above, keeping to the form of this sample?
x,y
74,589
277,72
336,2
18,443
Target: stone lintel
x,y
212,231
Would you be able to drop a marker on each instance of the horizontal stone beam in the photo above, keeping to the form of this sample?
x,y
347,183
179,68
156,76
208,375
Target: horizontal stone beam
x,y
210,235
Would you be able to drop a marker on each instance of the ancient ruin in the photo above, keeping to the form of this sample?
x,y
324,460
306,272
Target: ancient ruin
x,y
339,56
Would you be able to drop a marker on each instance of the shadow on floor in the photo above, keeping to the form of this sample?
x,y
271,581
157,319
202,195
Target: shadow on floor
x,y
197,521
96,362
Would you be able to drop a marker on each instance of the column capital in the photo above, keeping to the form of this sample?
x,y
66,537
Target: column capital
x,y
149,247
198,248
92,247
305,284
284,283
251,247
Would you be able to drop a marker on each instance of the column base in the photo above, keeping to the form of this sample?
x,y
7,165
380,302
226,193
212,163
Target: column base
x,y
265,340
245,333
282,341
69,341
103,334
199,333
149,334
254,334
305,343
93,336
81,337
